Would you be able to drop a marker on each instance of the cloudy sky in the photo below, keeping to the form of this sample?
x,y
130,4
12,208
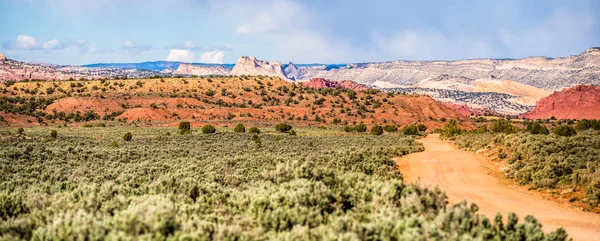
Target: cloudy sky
x,y
309,31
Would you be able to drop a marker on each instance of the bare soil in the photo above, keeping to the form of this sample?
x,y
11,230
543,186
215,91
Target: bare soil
x,y
464,176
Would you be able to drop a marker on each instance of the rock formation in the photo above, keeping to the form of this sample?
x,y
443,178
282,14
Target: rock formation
x,y
319,83
249,65
2,57
191,69
579,102
291,70
541,72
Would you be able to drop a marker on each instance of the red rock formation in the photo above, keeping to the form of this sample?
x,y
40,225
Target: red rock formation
x,y
579,102
319,83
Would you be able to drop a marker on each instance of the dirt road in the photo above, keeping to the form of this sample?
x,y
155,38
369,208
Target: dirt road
x,y
463,177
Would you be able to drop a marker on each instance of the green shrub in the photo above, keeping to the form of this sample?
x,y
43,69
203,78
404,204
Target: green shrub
x,y
239,128
390,128
501,153
376,130
254,130
113,144
536,128
127,136
564,130
207,129
421,127
348,129
361,127
283,127
184,126
450,129
410,130
53,134
20,131
502,126
292,132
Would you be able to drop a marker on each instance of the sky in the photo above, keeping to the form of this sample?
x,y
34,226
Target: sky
x,y
308,31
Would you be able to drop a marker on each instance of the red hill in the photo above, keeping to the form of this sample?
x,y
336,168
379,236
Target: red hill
x,y
319,83
579,102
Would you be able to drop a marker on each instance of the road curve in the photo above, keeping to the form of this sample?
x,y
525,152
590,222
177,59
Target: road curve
x,y
463,177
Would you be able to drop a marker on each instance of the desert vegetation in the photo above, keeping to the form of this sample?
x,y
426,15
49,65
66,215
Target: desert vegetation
x,y
92,184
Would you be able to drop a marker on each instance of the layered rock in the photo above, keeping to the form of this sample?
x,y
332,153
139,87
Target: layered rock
x,y
579,102
291,70
541,72
249,65
191,69
319,83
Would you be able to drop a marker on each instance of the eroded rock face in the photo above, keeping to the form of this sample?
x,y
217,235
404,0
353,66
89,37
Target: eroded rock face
x,y
579,102
319,83
541,72
249,65
190,69
2,57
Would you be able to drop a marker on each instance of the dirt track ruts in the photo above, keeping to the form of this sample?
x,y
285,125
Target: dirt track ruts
x,y
463,177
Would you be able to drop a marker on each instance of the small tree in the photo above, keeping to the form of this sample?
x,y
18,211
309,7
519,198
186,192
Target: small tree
x,y
184,125
283,127
361,127
53,134
421,127
410,130
128,136
376,130
564,130
20,131
239,128
390,128
292,132
207,129
254,130
450,129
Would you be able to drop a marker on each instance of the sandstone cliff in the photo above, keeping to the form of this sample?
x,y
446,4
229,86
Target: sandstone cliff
x,y
249,65
578,102
190,69
541,72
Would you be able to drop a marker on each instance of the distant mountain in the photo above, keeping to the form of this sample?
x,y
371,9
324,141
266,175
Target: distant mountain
x,y
579,102
151,65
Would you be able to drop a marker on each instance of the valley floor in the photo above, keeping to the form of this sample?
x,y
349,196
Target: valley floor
x,y
463,177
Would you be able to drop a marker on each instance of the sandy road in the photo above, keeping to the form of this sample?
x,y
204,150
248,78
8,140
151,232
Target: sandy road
x,y
463,177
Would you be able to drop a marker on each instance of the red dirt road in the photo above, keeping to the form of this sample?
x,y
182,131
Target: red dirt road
x,y
463,177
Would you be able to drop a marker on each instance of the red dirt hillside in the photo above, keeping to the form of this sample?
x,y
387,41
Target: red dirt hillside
x,y
319,83
579,102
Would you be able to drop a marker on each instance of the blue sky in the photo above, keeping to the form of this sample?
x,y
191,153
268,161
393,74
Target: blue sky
x,y
310,31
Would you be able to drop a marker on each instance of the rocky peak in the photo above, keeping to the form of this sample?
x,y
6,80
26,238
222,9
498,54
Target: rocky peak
x,y
592,50
250,65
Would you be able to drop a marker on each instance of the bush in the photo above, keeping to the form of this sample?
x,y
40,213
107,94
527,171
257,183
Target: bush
x,y
502,126
536,128
410,130
376,130
283,127
348,129
361,127
564,130
450,129
184,125
254,130
20,131
421,127
292,132
239,128
207,129
128,136
390,128
53,134
113,144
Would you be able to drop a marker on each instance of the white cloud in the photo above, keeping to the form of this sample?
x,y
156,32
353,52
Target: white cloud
x,y
52,44
276,17
25,42
182,55
131,48
213,57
